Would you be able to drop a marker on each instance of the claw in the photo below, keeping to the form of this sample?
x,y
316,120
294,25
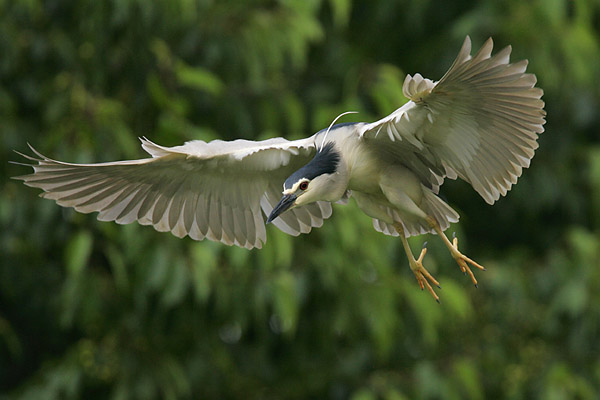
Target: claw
x,y
416,266
423,276
460,258
462,261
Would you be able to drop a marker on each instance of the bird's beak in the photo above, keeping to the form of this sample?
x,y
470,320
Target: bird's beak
x,y
286,202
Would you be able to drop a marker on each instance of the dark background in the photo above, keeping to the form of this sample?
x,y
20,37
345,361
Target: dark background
x,y
96,310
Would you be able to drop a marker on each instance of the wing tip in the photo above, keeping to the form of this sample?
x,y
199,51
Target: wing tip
x,y
24,178
465,51
30,158
37,153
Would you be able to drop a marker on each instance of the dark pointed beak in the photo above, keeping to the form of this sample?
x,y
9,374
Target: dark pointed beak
x,y
286,202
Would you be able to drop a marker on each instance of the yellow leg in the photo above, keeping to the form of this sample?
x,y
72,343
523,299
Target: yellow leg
x,y
462,260
416,266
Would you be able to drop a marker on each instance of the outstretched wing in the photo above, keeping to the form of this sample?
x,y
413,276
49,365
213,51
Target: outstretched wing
x,y
212,190
480,122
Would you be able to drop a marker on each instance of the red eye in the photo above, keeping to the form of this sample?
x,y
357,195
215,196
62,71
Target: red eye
x,y
304,185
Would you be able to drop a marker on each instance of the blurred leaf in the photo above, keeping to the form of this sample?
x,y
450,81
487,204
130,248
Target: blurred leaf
x,y
429,381
469,379
198,78
163,98
594,175
158,270
204,262
177,283
10,339
172,379
377,306
426,311
571,298
393,394
363,394
295,114
341,11
387,91
77,252
456,299
119,270
286,301
562,384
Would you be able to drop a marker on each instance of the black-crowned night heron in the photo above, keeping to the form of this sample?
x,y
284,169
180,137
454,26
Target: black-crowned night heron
x,y
480,122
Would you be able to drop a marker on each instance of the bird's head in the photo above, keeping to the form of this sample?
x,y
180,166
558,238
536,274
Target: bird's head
x,y
320,179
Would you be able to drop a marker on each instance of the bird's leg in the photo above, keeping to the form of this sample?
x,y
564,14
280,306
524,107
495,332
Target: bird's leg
x,y
462,260
416,266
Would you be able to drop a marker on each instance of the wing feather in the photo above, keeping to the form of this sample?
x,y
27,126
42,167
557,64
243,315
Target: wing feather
x,y
201,220
106,195
214,221
176,209
253,228
227,223
479,122
188,211
130,210
212,190
240,238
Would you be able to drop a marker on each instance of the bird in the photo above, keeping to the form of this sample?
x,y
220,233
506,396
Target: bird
x,y
479,122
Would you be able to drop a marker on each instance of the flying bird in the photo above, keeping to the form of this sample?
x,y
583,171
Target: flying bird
x,y
480,122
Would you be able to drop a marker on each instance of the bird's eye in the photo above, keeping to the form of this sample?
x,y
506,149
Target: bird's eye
x,y
304,185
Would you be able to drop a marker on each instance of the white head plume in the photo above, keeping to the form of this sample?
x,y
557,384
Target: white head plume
x,y
333,123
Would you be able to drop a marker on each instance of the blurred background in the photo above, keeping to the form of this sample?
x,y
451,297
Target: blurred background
x,y
100,311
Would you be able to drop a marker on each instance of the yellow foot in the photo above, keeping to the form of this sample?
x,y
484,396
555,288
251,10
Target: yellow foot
x,y
423,275
464,261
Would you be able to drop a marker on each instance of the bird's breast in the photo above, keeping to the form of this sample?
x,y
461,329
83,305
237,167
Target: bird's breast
x,y
364,170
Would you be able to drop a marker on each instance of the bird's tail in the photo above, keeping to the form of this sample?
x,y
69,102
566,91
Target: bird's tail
x,y
438,209
432,205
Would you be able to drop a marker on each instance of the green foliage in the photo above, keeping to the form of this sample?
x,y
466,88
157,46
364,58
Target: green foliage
x,y
98,310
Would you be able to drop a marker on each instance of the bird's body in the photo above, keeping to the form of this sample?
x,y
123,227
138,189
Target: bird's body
x,y
372,175
480,122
